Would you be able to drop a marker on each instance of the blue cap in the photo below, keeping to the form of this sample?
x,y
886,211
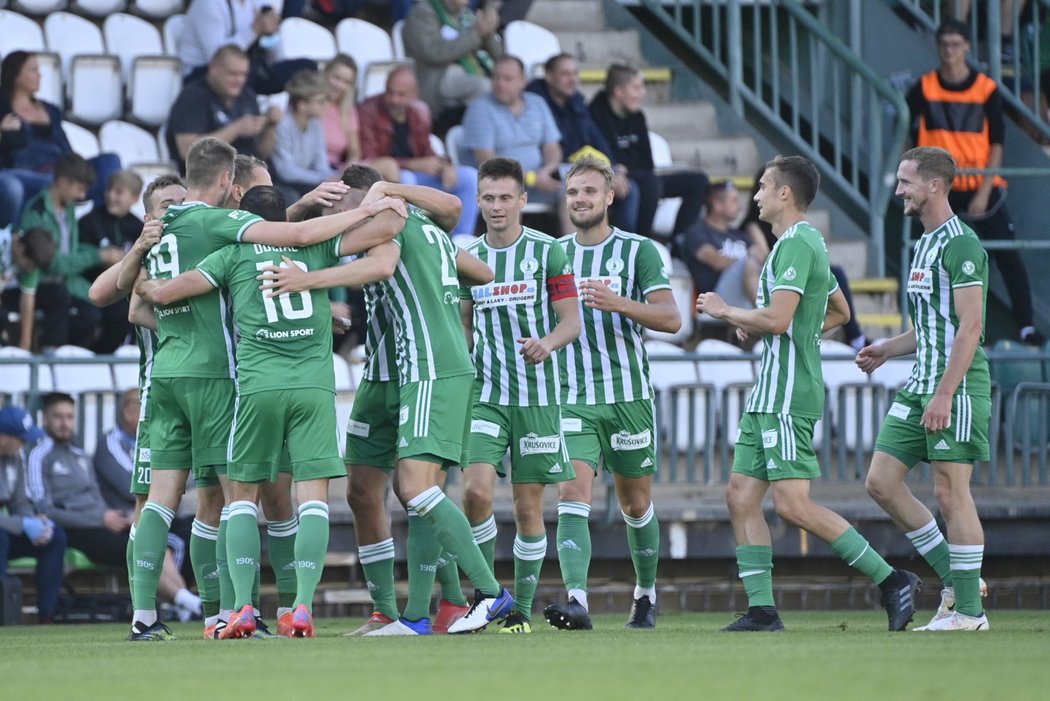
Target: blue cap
x,y
14,421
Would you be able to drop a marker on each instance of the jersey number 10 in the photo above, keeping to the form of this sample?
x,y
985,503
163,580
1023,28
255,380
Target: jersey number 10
x,y
287,309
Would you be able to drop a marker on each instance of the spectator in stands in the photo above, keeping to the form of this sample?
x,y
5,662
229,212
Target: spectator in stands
x,y
754,226
22,293
959,109
331,11
512,123
720,257
399,126
24,531
299,157
617,109
32,139
114,462
61,483
252,26
223,106
114,224
53,209
342,124
454,48
559,88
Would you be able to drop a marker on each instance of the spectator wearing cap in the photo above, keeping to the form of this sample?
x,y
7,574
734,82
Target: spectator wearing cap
x,y
23,531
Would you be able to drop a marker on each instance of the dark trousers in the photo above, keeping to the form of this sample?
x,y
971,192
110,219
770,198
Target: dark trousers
x,y
101,545
50,564
52,312
998,226
852,327
690,185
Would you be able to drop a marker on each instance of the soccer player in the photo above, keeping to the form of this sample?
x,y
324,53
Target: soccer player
x,y
942,414
515,326
607,403
285,398
435,377
798,299
193,372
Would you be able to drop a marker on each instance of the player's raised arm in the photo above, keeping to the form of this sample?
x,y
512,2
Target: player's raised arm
x,y
188,284
116,281
307,233
379,264
140,313
471,270
444,208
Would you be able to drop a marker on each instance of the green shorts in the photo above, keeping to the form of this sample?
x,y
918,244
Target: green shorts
x,y
531,433
371,432
774,447
194,416
965,440
140,473
621,437
433,421
265,422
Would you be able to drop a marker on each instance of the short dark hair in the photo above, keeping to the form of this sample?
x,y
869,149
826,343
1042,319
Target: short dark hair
x,y
498,168
952,25
244,166
551,64
72,166
619,74
159,183
227,51
797,173
932,163
38,245
718,189
360,177
265,201
52,398
508,58
206,161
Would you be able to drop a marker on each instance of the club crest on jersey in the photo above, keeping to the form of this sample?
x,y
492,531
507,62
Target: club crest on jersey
x,y
532,444
502,294
931,257
613,283
920,281
790,273
614,266
529,266
968,267
631,441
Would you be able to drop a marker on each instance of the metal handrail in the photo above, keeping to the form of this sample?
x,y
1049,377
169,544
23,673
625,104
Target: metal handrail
x,y
820,96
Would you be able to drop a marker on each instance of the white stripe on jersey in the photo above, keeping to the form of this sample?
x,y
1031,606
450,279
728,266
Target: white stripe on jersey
x,y
227,333
410,338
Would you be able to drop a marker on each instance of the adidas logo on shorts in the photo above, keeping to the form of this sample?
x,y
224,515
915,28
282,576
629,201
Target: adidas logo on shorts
x,y
770,465
941,445
648,462
556,470
402,443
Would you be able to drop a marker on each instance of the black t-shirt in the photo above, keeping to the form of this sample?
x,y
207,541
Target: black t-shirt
x,y
198,110
732,243
401,145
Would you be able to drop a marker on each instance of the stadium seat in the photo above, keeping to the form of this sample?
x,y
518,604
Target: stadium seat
x,y
158,9
129,37
70,35
39,7
83,141
452,143
99,8
126,375
437,145
682,289
373,50
677,385
667,209
854,416
732,380
133,144
397,38
51,84
95,93
172,30
18,32
531,43
155,84
162,142
301,38
17,376
91,384
149,172
1018,367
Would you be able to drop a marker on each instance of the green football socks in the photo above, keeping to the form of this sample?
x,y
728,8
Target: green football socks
x,y
643,537
574,543
311,544
423,552
755,569
856,551
529,551
280,541
377,563
930,543
242,550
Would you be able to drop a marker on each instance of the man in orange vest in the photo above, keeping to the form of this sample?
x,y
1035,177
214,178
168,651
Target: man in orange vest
x,y
959,109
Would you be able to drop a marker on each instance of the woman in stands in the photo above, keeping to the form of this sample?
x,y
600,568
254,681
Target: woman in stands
x,y
341,125
32,140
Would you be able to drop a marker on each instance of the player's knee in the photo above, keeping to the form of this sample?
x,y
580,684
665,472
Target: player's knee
x,y
360,498
793,511
477,497
877,487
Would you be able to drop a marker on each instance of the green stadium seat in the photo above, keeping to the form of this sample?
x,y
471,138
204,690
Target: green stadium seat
x,y
1023,364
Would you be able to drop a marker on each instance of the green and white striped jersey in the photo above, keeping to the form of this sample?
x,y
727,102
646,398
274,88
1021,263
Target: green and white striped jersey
x,y
195,336
380,353
946,259
423,298
146,340
790,379
608,363
516,305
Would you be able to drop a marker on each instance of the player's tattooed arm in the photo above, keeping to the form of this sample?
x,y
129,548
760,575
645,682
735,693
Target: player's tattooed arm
x,y
161,292
471,270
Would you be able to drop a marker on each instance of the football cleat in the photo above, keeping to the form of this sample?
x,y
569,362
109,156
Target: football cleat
x,y
377,621
262,631
240,625
485,610
899,600
140,632
643,613
958,621
401,627
448,613
570,616
214,631
516,623
302,622
284,625
947,604
751,623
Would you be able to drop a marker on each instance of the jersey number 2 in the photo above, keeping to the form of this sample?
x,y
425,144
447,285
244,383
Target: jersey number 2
x,y
448,254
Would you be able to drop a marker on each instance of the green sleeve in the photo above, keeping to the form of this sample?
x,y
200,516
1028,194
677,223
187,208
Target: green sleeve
x,y
966,261
86,257
649,269
558,262
218,265
833,283
228,225
28,282
791,265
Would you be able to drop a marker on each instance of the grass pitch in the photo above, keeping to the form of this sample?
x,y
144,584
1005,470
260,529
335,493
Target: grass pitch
x,y
826,655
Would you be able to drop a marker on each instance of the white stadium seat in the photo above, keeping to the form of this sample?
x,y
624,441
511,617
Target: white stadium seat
x,y
301,38
732,380
17,377
70,35
133,144
531,43
39,7
155,84
51,83
158,8
452,143
83,141
667,208
373,50
682,290
859,393
92,386
129,37
99,8
18,32
396,38
666,375
172,29
437,145
126,375
95,93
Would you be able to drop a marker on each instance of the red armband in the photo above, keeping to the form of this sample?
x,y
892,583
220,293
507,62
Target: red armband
x,y
561,286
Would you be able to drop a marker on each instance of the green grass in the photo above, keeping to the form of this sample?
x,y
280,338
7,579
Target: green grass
x,y
836,655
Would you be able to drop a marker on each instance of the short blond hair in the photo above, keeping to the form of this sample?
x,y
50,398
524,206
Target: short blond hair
x,y
592,164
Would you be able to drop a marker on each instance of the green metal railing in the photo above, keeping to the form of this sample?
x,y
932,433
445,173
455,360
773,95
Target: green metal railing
x,y
780,62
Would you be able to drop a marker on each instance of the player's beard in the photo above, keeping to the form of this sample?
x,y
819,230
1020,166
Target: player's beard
x,y
581,220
